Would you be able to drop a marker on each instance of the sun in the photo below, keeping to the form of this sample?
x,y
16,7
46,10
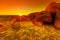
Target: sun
x,y
20,14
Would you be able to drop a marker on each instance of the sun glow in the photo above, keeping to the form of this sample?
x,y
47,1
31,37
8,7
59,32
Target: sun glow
x,y
20,14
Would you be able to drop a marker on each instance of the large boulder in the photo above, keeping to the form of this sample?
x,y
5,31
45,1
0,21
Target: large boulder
x,y
54,9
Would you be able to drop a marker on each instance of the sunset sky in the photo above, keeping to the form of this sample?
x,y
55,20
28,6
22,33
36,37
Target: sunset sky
x,y
23,7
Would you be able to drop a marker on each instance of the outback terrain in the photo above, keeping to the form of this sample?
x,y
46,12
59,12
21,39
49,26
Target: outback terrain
x,y
43,25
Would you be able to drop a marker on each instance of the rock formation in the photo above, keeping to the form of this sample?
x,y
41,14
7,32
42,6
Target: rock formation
x,y
49,16
43,17
54,9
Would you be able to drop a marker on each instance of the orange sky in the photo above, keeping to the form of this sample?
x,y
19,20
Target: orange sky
x,y
22,7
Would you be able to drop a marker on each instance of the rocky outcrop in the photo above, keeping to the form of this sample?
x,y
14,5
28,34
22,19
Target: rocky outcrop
x,y
43,17
54,9
50,16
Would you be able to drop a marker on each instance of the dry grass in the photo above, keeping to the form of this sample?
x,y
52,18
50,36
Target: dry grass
x,y
28,31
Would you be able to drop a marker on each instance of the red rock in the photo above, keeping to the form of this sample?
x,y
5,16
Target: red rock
x,y
57,24
55,8
57,20
43,16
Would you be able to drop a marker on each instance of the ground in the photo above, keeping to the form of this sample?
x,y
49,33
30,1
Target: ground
x,y
28,31
32,32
